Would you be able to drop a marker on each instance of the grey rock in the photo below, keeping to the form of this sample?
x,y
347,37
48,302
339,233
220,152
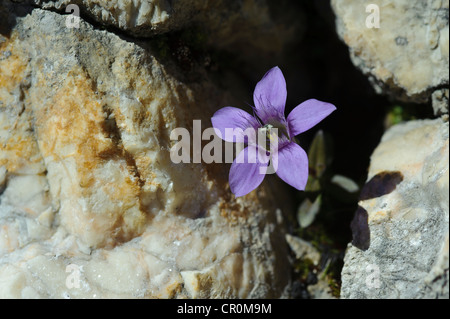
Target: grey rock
x,y
401,250
303,249
320,290
440,101
407,56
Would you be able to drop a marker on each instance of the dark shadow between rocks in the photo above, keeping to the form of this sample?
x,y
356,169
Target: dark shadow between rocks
x,y
9,12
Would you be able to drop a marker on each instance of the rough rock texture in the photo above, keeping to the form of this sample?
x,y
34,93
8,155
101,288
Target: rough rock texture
x,y
408,55
440,101
87,187
248,25
303,249
401,230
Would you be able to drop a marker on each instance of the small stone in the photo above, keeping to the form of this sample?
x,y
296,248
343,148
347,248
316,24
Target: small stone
x,y
303,249
440,102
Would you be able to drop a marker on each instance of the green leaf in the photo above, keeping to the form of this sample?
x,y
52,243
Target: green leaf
x,y
307,211
313,184
345,183
317,158
317,155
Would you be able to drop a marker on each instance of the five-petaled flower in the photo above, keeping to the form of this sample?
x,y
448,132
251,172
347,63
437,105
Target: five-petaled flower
x,y
288,158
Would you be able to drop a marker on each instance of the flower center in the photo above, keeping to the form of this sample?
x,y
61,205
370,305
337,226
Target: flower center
x,y
275,135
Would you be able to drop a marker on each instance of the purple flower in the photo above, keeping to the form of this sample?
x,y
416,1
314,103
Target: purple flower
x,y
288,158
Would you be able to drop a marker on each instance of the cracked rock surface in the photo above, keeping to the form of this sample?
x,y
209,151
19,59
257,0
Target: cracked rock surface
x,y
249,26
90,203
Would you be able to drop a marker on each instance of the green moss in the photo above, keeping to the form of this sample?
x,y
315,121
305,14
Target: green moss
x,y
335,287
331,257
303,268
316,235
160,46
399,113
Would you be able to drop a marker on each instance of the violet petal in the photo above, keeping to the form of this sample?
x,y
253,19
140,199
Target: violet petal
x,y
248,170
235,119
270,95
307,115
291,165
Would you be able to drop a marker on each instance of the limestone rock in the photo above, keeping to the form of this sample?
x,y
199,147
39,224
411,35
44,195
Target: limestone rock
x,y
303,249
321,289
401,229
440,101
90,203
408,55
247,25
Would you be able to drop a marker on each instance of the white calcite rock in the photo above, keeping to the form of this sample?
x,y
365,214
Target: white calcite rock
x,y
91,206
